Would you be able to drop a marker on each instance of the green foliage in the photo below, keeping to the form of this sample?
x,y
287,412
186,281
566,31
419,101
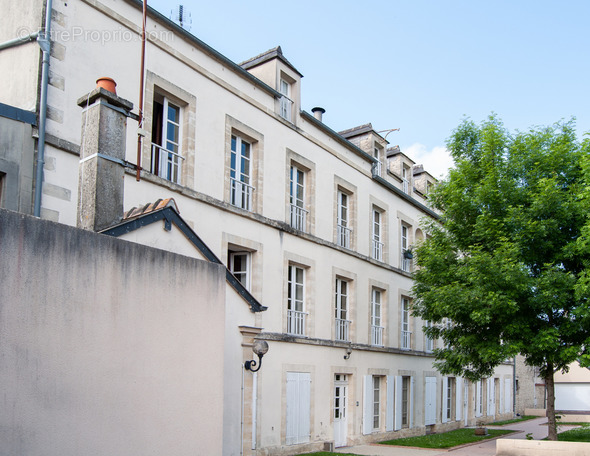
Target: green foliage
x,y
581,434
507,265
446,439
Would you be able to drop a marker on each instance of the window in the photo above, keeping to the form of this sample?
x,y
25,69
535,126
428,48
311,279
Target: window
x,y
449,399
376,328
377,165
295,301
298,395
239,265
405,402
377,244
429,345
405,325
406,258
297,198
478,399
241,189
405,179
286,102
376,402
343,221
166,139
341,311
2,191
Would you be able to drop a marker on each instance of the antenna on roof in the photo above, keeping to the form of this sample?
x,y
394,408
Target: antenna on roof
x,y
182,16
388,131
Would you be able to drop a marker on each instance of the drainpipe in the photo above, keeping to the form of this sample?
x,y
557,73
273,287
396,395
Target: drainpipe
x,y
44,41
18,41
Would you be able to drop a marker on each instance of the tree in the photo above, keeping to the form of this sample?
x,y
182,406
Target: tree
x,y
506,263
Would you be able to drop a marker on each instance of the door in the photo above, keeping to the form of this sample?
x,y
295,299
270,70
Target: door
x,y
340,410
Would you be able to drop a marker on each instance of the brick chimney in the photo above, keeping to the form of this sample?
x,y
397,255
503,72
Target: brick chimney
x,y
102,159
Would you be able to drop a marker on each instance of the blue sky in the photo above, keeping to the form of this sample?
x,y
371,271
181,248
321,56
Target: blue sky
x,y
420,66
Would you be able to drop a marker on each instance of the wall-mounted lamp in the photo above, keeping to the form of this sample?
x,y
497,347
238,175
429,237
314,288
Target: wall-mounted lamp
x,y
348,352
260,347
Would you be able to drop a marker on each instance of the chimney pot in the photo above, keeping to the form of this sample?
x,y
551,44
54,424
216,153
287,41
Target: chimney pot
x,y
318,113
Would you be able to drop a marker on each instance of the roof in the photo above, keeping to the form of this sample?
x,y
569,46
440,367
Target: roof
x,y
167,211
355,131
275,53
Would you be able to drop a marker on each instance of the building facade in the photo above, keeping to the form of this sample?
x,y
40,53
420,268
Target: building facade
x,y
317,225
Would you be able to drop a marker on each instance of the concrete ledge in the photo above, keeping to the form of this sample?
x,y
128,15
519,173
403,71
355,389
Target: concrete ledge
x,y
566,417
518,447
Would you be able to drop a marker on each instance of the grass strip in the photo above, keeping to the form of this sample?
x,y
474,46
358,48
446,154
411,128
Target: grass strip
x,y
581,434
515,420
446,439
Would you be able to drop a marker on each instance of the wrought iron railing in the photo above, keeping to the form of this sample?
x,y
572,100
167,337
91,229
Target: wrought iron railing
x,y
241,194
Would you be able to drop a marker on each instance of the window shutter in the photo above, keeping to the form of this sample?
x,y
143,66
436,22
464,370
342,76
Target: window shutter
x,y
478,398
390,401
458,398
411,406
490,391
507,395
502,406
367,404
398,403
445,398
298,407
430,401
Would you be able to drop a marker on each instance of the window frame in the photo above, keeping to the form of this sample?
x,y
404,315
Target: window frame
x,y
231,255
297,204
298,319
405,325
377,330
377,243
342,309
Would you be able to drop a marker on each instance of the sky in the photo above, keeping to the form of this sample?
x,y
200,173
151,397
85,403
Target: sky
x,y
418,65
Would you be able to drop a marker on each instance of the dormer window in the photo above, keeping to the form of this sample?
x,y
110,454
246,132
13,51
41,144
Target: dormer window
x,y
286,102
405,179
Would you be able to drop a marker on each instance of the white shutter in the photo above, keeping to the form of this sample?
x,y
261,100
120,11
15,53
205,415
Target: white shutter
x,y
445,398
430,401
398,403
298,407
367,404
389,406
411,406
507,395
490,395
502,406
478,398
458,398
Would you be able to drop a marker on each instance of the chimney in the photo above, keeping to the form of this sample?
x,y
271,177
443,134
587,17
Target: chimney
x,y
102,159
318,113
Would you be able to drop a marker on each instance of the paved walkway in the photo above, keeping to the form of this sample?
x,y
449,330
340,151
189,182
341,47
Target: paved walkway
x,y
537,427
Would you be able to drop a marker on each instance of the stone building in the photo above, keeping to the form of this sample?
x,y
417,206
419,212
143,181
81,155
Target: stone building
x,y
316,226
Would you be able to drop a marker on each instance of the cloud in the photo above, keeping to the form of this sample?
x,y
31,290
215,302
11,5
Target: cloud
x,y
436,161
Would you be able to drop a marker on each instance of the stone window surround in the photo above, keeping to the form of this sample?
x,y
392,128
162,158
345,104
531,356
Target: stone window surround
x,y
188,105
308,266
234,127
309,168
341,185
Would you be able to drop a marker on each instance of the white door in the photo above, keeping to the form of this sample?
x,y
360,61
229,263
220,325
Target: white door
x,y
430,401
298,407
340,405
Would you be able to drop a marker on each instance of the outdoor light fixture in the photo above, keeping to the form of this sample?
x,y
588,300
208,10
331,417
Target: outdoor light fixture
x,y
260,347
348,352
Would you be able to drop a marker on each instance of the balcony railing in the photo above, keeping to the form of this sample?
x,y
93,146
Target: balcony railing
x,y
344,236
429,344
285,108
241,194
342,329
405,263
298,218
406,186
166,163
296,322
406,340
377,335
376,169
377,250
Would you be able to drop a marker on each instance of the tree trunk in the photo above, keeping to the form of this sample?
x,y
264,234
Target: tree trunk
x,y
550,385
